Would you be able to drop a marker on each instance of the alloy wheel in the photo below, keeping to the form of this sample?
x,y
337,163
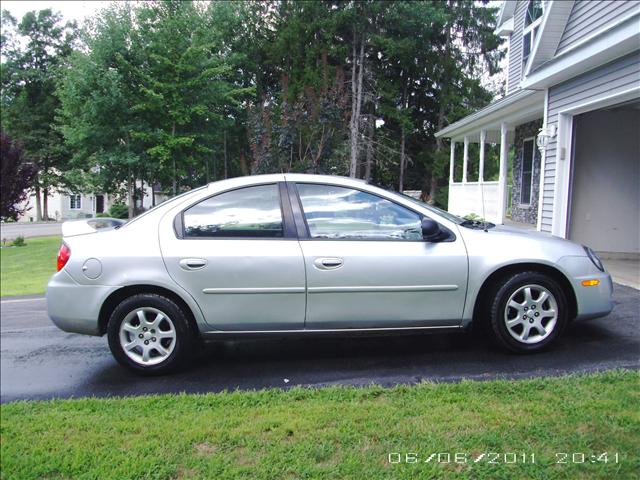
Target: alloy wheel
x,y
147,336
531,314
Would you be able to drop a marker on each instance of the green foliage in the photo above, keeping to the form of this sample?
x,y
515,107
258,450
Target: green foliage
x,y
35,53
179,93
118,210
19,241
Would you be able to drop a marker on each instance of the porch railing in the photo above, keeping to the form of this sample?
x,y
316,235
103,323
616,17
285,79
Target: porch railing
x,y
481,199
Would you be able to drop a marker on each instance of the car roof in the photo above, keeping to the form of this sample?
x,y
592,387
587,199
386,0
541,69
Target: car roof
x,y
280,177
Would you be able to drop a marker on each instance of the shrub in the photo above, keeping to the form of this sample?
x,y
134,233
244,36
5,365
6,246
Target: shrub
x,y
102,215
19,241
119,210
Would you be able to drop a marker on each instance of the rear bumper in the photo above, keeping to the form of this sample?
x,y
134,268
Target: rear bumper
x,y
73,307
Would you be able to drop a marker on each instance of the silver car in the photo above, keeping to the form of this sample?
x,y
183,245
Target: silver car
x,y
308,254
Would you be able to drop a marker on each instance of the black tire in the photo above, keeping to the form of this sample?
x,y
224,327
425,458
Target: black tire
x,y
498,329
184,335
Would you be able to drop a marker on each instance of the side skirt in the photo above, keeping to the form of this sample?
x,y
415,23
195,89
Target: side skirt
x,y
343,332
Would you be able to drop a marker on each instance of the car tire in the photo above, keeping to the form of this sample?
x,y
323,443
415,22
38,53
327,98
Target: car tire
x,y
150,334
528,312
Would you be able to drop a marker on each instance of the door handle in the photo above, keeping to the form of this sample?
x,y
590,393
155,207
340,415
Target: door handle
x,y
192,263
328,263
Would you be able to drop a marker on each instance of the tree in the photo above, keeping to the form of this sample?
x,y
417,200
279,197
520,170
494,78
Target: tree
x,y
98,94
15,177
35,52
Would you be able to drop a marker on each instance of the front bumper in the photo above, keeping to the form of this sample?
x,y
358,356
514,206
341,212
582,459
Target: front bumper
x,y
73,307
595,301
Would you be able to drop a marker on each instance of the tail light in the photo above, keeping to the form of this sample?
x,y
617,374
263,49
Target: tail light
x,y
63,256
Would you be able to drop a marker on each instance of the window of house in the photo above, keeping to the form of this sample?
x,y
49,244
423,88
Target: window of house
x,y
532,19
246,212
75,201
526,174
335,212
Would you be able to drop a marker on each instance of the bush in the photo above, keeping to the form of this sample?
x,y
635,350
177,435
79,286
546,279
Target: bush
x,y
102,215
19,241
119,210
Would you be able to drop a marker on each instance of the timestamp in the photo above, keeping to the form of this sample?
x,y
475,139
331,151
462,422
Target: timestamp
x,y
504,458
565,458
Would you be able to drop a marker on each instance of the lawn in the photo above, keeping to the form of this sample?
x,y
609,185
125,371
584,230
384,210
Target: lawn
x,y
26,270
336,432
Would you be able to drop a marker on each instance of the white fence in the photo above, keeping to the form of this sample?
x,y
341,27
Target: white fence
x,y
481,199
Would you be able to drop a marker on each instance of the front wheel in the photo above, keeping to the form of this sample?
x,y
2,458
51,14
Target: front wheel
x,y
528,312
149,334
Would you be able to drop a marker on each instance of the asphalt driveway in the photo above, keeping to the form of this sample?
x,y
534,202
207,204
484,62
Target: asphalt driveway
x,y
38,361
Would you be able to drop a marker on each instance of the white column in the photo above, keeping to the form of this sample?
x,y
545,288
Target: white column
x,y
502,179
465,159
452,161
483,137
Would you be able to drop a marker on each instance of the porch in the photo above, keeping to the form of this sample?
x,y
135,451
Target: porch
x,y
480,181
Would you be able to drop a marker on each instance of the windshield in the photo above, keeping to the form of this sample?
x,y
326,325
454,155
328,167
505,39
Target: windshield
x,y
449,216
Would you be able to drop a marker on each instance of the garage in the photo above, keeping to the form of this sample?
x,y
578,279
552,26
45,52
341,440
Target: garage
x,y
604,210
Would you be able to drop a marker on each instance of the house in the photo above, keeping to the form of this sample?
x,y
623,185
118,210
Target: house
x,y
67,206
567,130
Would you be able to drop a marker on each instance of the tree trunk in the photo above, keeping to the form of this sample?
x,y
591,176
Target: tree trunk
x,y
359,100
353,129
433,182
402,161
369,162
243,163
38,204
45,204
174,185
130,187
226,166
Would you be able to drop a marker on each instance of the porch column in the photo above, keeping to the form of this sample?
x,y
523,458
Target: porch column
x,y
452,160
483,137
502,179
465,159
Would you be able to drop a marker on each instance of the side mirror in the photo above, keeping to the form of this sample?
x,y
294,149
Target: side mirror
x,y
430,229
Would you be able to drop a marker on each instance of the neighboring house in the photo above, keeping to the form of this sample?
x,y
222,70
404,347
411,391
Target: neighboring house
x,y
570,122
67,206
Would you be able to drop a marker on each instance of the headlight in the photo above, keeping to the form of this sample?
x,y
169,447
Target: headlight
x,y
594,258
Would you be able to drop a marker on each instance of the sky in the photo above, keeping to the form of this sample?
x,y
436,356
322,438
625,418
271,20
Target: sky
x,y
71,10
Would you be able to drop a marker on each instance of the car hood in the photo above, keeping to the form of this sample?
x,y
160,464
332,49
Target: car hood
x,y
519,244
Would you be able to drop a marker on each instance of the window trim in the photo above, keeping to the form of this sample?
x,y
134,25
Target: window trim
x,y
79,204
451,237
288,233
530,30
533,159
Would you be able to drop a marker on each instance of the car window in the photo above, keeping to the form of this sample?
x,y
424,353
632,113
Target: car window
x,y
246,212
346,213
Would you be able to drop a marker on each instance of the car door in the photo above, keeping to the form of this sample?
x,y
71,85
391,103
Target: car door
x,y
368,266
237,254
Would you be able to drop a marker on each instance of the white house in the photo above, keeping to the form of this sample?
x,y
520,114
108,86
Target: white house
x,y
569,125
67,206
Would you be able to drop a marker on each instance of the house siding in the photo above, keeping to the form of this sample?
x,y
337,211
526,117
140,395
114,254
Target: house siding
x,y
589,17
515,48
615,77
525,213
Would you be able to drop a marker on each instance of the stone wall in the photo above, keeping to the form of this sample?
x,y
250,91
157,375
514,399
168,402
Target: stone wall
x,y
519,212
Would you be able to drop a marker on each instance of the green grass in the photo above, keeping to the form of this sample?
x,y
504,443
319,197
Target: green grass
x,y
332,433
26,270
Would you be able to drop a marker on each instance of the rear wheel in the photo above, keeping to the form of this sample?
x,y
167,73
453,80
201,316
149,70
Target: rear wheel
x,y
528,312
149,334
